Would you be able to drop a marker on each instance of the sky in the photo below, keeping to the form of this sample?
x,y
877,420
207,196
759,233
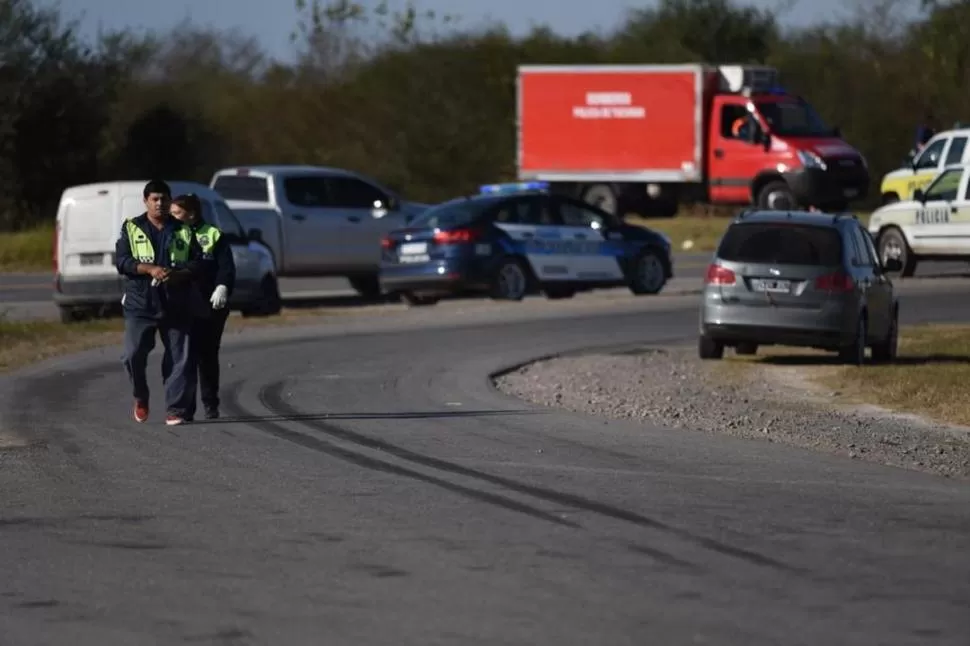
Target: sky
x,y
272,21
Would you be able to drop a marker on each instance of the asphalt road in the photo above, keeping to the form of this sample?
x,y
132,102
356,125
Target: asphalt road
x,y
371,488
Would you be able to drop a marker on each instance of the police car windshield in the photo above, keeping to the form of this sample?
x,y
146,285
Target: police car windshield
x,y
793,119
781,244
454,213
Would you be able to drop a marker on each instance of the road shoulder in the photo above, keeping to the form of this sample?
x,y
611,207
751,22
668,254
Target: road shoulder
x,y
670,387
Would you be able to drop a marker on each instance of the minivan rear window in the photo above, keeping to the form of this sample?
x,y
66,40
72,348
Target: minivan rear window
x,y
242,188
781,244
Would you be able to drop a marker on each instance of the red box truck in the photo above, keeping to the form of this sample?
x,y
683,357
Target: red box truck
x,y
648,137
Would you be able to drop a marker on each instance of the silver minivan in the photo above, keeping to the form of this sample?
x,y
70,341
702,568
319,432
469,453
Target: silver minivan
x,y
799,278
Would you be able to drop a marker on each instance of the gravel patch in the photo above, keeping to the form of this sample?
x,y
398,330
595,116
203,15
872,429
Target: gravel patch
x,y
674,389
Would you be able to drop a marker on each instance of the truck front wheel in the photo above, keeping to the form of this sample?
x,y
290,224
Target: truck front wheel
x,y
602,196
776,196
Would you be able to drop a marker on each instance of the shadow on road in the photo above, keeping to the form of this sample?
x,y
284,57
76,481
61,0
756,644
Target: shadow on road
x,y
833,360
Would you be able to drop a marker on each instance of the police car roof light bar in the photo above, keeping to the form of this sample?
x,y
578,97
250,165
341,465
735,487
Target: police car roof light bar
x,y
513,187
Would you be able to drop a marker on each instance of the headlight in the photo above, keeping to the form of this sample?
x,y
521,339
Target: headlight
x,y
810,160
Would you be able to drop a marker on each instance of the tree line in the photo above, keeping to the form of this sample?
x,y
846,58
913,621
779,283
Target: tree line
x,y
420,101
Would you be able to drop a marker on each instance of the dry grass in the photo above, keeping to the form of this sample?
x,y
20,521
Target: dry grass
x,y
25,342
30,250
700,232
930,377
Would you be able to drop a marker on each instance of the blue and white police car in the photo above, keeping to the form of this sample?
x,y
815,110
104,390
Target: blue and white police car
x,y
515,239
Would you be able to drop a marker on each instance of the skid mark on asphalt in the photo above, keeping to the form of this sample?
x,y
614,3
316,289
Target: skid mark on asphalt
x,y
271,397
276,429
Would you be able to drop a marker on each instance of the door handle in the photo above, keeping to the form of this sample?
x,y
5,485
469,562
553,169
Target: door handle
x,y
298,216
718,153
353,218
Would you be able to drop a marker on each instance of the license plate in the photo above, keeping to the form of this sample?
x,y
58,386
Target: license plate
x,y
91,258
773,286
413,248
850,192
414,258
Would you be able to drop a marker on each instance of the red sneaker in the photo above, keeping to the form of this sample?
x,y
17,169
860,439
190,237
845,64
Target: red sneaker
x,y
174,420
140,411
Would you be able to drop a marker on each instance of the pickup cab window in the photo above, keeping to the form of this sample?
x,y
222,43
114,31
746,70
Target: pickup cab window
x,y
931,155
243,188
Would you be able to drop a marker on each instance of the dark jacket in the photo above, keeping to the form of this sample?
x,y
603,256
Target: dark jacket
x,y
217,267
169,300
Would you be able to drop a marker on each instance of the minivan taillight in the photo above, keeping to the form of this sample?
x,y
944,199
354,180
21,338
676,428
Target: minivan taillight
x,y
455,236
718,275
835,282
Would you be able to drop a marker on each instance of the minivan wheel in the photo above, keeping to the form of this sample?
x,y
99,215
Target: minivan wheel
x,y
510,282
649,275
708,348
746,348
855,353
886,350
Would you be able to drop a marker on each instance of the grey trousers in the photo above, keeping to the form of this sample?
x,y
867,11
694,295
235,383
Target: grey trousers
x,y
178,363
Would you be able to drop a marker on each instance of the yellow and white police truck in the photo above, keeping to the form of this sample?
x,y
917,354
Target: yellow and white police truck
x,y
933,226
944,149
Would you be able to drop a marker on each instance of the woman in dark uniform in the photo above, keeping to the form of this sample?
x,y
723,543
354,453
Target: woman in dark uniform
x,y
216,282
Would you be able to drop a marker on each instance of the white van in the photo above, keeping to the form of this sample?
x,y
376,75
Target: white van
x,y
89,219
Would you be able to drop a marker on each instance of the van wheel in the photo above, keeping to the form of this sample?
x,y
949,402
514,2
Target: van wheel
x,y
369,287
892,244
269,302
69,314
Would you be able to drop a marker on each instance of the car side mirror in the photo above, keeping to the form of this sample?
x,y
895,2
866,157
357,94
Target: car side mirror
x,y
892,265
255,235
919,195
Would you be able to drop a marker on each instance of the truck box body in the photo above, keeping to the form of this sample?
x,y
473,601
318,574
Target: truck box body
x,y
579,122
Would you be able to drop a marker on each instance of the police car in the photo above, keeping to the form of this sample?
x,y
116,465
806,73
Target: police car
x,y
933,225
515,239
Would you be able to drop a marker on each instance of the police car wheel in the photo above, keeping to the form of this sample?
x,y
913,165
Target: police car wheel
x,y
648,275
557,293
418,300
511,281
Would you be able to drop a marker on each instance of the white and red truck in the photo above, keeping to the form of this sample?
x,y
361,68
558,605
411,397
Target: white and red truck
x,y
646,138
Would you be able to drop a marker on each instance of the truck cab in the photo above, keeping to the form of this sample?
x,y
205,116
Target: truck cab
x,y
769,148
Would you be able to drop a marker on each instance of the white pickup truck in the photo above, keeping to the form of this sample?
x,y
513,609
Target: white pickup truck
x,y
317,221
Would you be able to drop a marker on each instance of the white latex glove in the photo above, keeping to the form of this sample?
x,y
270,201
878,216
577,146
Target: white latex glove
x,y
219,297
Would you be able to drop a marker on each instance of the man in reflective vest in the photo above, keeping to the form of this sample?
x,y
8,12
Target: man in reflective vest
x,y
217,278
159,258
